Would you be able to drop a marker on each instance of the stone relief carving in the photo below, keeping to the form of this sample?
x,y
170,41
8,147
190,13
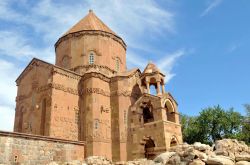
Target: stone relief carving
x,y
96,75
126,93
66,73
106,110
84,68
95,90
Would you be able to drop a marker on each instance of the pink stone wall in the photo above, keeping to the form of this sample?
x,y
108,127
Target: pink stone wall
x,y
19,148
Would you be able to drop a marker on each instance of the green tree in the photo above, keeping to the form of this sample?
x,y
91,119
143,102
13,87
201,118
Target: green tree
x,y
213,123
233,127
245,134
189,129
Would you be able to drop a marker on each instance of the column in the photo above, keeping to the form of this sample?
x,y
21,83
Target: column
x,y
158,88
148,87
163,88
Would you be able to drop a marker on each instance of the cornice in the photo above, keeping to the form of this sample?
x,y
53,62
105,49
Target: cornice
x,y
94,66
66,73
152,74
92,32
136,74
96,75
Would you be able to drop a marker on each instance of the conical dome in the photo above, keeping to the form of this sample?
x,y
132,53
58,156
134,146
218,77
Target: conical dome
x,y
90,22
90,42
151,68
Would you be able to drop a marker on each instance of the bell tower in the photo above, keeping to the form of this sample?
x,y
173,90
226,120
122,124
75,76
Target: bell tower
x,y
152,76
90,43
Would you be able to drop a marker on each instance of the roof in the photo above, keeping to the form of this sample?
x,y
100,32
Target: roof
x,y
151,68
34,60
128,72
90,22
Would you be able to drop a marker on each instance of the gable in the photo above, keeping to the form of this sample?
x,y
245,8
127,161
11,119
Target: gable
x,y
34,64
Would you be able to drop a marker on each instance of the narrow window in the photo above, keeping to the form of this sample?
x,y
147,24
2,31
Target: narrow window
x,y
125,117
15,158
91,58
20,122
96,124
117,64
43,119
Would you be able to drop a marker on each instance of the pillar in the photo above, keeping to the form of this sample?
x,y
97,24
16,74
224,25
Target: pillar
x,y
148,87
163,88
158,88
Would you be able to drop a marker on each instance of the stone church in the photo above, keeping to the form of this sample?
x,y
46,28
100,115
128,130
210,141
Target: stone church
x,y
89,95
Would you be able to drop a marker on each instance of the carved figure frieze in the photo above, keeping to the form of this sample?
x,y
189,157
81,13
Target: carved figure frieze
x,y
94,90
28,126
58,87
105,110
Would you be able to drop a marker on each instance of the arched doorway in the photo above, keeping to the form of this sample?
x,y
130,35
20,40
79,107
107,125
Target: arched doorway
x,y
149,148
173,142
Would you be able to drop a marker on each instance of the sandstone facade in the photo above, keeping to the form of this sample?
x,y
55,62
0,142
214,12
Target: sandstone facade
x,y
90,96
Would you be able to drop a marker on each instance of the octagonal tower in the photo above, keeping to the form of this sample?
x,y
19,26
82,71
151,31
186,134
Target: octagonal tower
x,y
91,43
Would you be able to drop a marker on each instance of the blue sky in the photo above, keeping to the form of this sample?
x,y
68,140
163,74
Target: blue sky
x,y
202,45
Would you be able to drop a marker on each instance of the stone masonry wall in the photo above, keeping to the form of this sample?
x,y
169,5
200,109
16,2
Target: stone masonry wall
x,y
20,148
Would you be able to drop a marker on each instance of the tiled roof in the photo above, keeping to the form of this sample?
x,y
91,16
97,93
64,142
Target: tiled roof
x,y
90,22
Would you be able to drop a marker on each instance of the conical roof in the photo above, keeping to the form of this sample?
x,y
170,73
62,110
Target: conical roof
x,y
151,68
90,22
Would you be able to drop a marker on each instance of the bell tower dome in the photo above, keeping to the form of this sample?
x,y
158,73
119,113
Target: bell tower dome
x,y
153,76
90,43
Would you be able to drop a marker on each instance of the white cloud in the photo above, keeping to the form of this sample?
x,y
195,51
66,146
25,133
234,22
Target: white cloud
x,y
233,47
15,45
133,60
8,74
129,19
165,63
7,118
212,5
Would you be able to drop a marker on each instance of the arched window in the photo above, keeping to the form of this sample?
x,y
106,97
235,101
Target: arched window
x,y
117,64
170,112
91,58
147,112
